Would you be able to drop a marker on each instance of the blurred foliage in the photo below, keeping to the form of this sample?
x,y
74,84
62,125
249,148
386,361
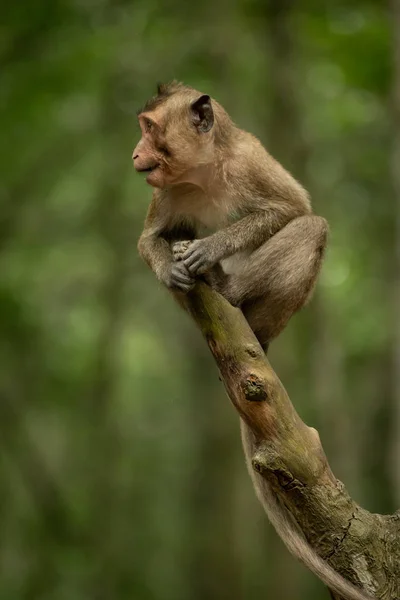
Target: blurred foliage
x,y
122,474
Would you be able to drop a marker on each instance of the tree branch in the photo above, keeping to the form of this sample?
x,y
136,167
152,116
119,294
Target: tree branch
x,y
363,547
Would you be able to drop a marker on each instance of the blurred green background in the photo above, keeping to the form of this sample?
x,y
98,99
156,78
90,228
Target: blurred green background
x,y
121,471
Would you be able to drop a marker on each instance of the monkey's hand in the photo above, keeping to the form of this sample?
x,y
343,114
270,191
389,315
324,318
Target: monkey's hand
x,y
200,256
180,278
179,248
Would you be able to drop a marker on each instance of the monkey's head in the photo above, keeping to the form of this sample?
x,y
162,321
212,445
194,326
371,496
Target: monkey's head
x,y
177,135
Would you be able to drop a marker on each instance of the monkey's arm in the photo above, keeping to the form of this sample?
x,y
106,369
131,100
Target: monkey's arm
x,y
250,232
155,248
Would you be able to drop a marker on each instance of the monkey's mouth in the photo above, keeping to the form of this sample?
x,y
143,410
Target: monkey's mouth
x,y
149,169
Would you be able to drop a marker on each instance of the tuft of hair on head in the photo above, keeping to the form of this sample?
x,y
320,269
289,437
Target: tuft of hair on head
x,y
164,91
167,89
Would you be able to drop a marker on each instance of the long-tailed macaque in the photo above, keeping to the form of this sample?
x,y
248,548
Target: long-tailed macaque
x,y
225,210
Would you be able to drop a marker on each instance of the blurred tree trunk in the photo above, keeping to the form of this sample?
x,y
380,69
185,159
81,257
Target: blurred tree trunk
x,y
285,142
327,359
103,443
395,170
284,133
212,558
326,347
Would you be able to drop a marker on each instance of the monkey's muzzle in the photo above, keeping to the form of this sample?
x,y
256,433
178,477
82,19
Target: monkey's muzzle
x,y
148,169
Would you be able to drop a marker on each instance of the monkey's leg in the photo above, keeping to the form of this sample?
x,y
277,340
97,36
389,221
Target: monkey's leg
x,y
279,277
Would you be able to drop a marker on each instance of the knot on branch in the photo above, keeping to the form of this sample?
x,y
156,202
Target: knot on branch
x,y
254,388
269,465
254,351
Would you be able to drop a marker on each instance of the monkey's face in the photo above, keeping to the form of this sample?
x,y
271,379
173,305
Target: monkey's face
x,y
148,156
177,140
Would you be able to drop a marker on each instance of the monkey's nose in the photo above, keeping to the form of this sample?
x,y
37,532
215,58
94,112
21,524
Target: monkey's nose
x,y
135,156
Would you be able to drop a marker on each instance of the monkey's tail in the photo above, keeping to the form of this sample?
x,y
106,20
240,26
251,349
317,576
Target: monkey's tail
x,y
292,536
281,519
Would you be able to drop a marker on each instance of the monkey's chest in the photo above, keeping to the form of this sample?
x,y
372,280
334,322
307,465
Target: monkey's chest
x,y
209,217
208,213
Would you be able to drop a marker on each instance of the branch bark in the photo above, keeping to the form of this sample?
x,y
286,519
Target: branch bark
x,y
362,547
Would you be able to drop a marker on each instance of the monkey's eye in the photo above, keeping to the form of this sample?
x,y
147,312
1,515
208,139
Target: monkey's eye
x,y
148,125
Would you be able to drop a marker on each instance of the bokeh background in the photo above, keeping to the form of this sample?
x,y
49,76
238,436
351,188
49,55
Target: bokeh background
x,y
121,469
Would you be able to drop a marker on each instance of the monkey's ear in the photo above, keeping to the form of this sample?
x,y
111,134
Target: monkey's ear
x,y
202,113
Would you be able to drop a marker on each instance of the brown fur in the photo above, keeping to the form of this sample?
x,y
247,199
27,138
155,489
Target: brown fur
x,y
262,248
225,183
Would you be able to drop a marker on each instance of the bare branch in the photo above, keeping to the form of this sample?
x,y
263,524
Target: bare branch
x,y
362,547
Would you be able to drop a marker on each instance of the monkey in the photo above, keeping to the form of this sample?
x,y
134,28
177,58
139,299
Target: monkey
x,y
225,211
267,246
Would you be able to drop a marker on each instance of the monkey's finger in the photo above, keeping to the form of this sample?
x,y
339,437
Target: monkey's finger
x,y
182,246
193,250
178,255
195,266
182,277
179,282
192,258
179,251
193,269
186,288
183,287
